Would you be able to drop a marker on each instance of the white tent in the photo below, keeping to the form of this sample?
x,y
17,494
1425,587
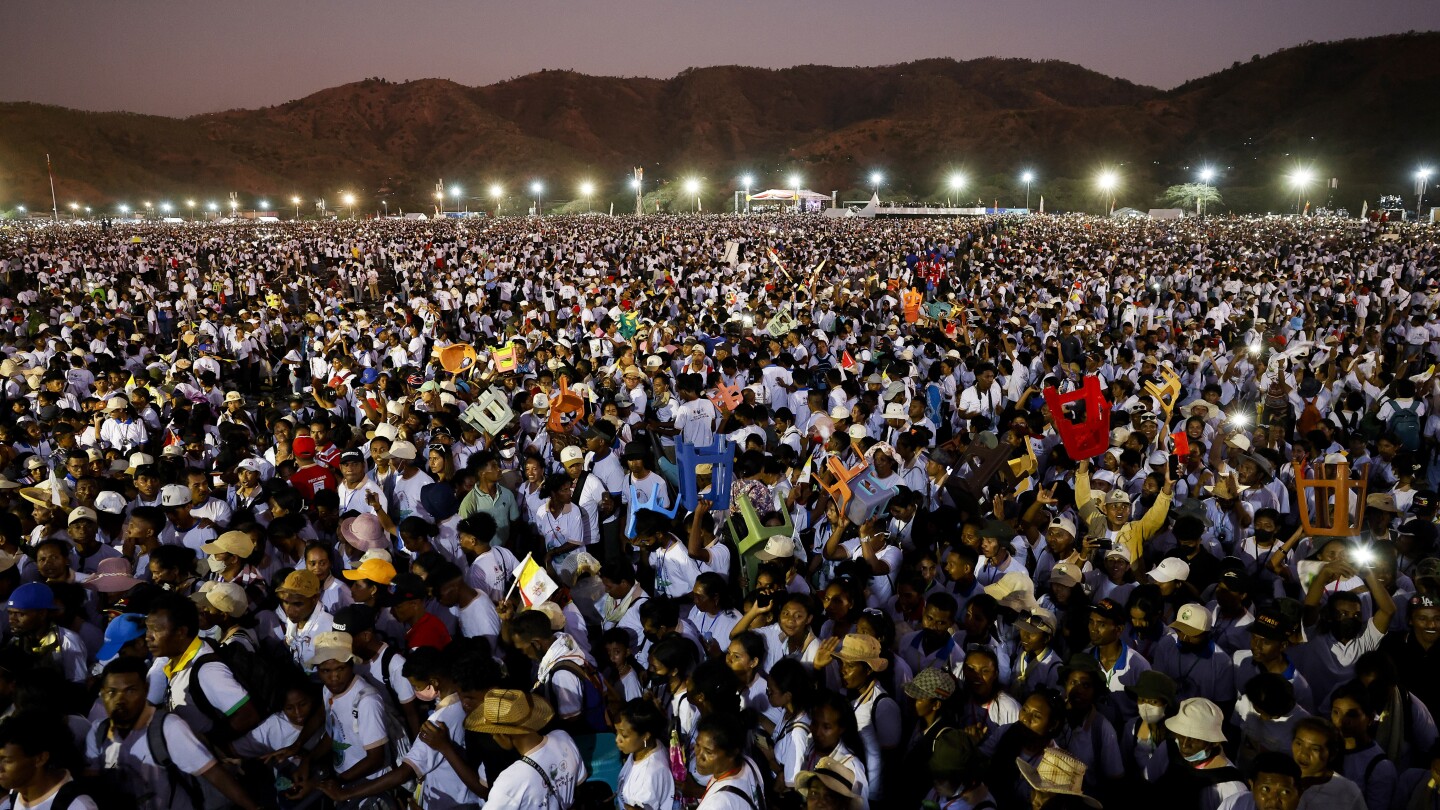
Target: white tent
x,y
787,195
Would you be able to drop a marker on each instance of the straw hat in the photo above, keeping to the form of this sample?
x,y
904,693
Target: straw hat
x,y
833,774
510,711
1058,773
864,649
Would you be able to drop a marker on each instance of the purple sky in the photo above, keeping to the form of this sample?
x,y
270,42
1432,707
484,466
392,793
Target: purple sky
x,y
175,57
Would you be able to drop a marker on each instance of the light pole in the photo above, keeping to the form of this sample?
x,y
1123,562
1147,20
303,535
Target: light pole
x,y
1422,176
746,181
795,184
212,207
876,178
1106,182
1027,178
692,188
1300,180
349,200
537,188
191,205
295,201
1206,175
165,208
956,185
455,194
587,188
496,192
74,210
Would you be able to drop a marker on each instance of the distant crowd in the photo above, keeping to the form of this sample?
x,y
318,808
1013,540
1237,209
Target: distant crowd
x,y
728,512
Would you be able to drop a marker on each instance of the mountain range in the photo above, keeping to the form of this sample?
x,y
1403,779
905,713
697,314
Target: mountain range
x,y
1360,111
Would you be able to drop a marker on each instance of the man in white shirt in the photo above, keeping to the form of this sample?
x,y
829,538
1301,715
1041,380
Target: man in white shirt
x,y
551,766
983,399
122,742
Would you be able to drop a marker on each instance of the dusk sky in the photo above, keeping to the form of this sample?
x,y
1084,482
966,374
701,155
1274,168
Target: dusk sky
x,y
180,58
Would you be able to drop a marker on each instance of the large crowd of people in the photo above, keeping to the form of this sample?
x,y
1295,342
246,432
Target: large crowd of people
x,y
736,513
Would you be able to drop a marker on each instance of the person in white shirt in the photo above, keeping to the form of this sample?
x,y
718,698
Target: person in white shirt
x,y
551,767
121,742
31,745
645,779
355,711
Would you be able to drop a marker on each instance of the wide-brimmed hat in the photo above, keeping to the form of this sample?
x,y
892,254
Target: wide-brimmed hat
x,y
1198,719
862,649
111,576
510,711
1058,773
364,532
831,773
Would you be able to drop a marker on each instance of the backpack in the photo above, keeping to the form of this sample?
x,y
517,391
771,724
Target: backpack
x,y
259,676
75,788
594,709
160,752
1309,417
1405,424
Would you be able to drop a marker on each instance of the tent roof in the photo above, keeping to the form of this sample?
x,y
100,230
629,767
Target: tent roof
x,y
788,194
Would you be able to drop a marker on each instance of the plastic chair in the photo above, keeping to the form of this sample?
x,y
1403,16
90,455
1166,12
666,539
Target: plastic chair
x,y
721,458
1085,439
490,413
649,502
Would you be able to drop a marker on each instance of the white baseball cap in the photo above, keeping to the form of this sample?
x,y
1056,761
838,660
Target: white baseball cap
x,y
780,546
570,454
1170,569
174,495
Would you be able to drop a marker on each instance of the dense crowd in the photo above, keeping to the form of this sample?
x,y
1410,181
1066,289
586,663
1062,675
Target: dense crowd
x,y
740,513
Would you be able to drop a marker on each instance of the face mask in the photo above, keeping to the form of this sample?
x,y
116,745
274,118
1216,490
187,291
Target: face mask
x,y
427,694
1152,715
1193,647
215,564
1264,536
1198,757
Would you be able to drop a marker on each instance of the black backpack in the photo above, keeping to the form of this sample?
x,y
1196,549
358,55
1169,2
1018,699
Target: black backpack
x,y
75,788
260,676
160,752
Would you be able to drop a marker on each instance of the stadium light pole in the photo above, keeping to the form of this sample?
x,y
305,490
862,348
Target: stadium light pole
x,y
1027,178
191,205
795,184
74,210
538,188
746,181
692,189
456,194
1300,180
587,188
876,178
349,200
1107,182
955,184
1422,177
1207,175
295,201
496,193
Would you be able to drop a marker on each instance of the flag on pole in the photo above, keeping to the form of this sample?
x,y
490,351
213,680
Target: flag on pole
x,y
846,361
1179,444
534,584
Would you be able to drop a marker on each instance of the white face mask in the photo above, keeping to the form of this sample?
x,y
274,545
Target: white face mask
x,y
215,564
1150,714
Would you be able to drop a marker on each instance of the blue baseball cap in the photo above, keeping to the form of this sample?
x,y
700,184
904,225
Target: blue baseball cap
x,y
369,376
122,630
32,596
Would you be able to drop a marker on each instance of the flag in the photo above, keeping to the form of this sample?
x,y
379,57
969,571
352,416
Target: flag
x,y
805,472
1179,444
535,585
846,361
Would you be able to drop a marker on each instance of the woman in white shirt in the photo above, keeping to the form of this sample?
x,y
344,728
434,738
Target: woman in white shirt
x,y
646,782
735,781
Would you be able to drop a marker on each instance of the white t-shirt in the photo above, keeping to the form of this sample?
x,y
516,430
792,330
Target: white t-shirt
x,y
221,689
521,787
491,572
648,784
442,788
44,802
150,782
355,720
478,618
